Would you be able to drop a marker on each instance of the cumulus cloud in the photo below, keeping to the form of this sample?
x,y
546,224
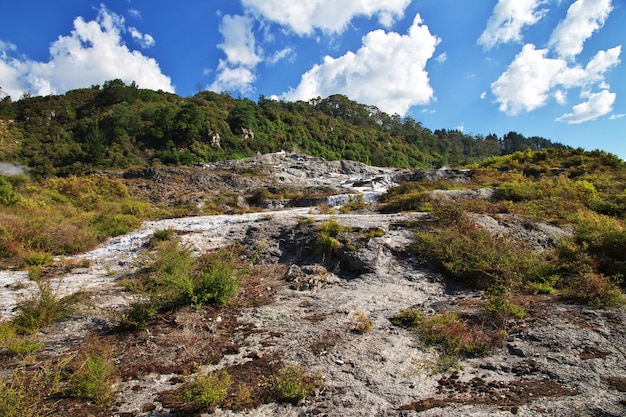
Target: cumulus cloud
x,y
329,16
508,19
94,52
240,49
532,78
388,71
583,18
524,86
538,75
597,105
442,57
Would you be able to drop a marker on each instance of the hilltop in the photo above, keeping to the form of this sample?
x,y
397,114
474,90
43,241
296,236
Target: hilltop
x,y
117,126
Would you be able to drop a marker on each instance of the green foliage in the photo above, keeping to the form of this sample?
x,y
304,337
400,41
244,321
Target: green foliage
x,y
326,236
118,125
7,193
164,234
173,278
24,394
12,344
473,255
42,309
94,375
453,336
218,278
61,216
293,384
206,390
498,303
409,317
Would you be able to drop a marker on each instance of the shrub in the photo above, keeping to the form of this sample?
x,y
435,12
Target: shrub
x,y
8,197
206,390
596,290
23,395
111,225
43,309
499,305
94,375
362,324
164,234
409,317
293,384
218,278
453,336
12,344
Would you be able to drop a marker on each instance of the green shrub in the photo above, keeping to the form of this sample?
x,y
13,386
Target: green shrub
x,y
12,344
24,394
218,278
409,317
94,375
206,390
8,197
164,234
453,336
42,309
293,384
498,303
38,259
111,225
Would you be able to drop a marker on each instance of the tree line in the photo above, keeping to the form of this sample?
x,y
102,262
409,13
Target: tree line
x,y
118,125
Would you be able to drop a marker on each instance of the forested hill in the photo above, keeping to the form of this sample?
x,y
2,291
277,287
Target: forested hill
x,y
118,125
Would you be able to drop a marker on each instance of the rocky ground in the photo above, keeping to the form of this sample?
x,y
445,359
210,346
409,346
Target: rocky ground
x,y
300,307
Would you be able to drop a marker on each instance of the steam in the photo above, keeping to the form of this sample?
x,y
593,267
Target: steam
x,y
7,168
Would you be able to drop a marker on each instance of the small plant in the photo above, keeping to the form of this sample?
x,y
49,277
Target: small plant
x,y
23,394
43,309
12,344
409,317
293,384
206,390
94,375
163,234
38,259
362,324
326,236
498,303
453,336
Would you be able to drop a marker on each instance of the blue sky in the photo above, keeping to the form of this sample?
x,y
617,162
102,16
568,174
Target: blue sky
x,y
550,68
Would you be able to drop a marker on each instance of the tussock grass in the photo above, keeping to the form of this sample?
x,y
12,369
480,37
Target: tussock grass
x,y
292,384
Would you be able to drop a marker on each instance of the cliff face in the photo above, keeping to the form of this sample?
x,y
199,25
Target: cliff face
x,y
308,306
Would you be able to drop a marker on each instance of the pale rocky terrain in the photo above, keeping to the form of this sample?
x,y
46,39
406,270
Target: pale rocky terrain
x,y
563,360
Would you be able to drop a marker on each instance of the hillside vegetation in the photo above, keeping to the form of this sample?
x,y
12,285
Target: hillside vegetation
x,y
118,125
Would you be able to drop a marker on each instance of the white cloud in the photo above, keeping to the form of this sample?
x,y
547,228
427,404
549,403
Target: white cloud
x,y
532,78
280,55
583,18
239,43
508,19
442,57
483,95
330,16
524,86
135,13
235,73
617,116
145,40
93,53
388,71
598,105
